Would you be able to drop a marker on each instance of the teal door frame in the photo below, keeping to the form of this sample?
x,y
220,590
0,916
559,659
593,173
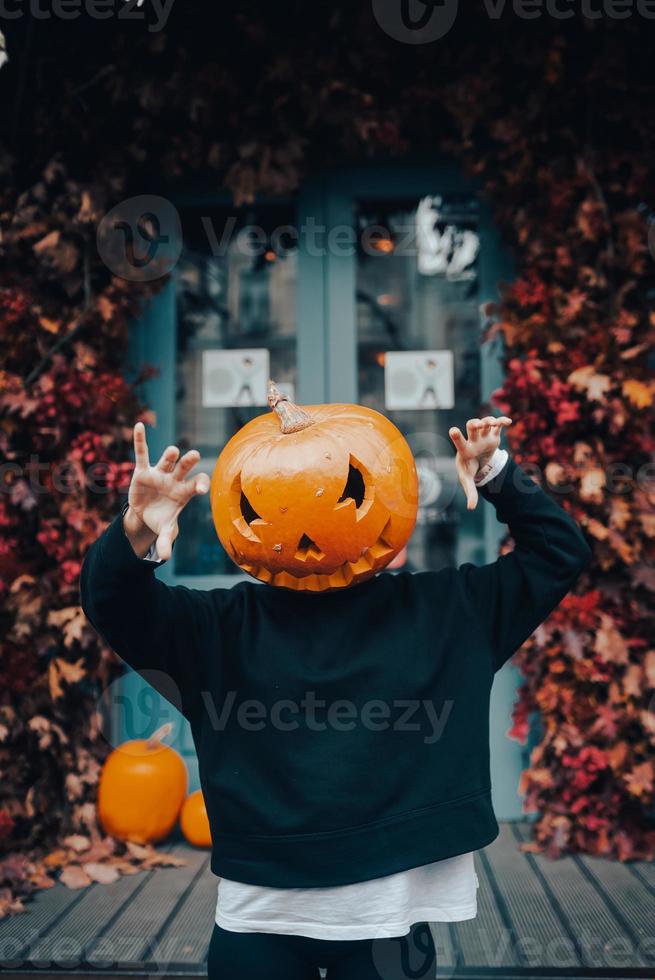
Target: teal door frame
x,y
326,359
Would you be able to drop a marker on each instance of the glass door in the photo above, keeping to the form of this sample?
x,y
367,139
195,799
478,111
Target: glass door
x,y
418,350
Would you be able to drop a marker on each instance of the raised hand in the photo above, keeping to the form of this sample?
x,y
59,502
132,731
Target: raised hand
x,y
482,440
158,494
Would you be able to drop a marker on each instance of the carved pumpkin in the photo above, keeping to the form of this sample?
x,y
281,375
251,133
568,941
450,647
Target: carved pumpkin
x,y
314,498
194,821
142,787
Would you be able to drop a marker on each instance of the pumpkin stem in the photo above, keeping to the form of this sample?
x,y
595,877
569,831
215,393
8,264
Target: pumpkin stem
x,y
156,739
292,418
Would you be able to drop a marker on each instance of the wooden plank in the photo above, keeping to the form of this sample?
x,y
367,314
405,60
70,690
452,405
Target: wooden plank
x,y
645,871
188,932
445,946
630,900
133,936
20,932
44,940
598,934
534,926
479,940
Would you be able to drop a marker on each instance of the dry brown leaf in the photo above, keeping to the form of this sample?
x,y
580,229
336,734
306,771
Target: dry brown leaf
x,y
596,529
620,513
77,843
106,308
588,380
649,667
56,859
138,851
162,859
633,681
592,485
610,644
640,780
71,672
74,877
104,874
56,690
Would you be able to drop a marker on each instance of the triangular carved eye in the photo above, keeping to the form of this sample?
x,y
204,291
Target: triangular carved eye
x,y
248,512
354,487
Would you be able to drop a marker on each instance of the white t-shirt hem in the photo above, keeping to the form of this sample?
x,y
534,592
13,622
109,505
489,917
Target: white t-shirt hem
x,y
364,931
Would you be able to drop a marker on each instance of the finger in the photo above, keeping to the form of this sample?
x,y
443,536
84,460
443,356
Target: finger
x,y
471,495
141,447
187,462
196,485
486,424
469,488
168,459
473,429
457,437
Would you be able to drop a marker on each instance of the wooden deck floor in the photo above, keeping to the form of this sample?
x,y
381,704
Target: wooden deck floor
x,y
573,917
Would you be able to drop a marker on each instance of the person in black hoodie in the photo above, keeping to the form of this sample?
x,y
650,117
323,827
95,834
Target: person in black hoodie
x,y
342,737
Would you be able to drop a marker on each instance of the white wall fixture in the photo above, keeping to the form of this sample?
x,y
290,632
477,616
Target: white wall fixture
x,y
419,379
234,377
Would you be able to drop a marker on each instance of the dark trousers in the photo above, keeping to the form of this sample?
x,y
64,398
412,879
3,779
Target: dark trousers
x,y
269,956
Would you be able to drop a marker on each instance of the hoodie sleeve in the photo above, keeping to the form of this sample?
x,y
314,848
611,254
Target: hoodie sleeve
x,y
515,594
162,632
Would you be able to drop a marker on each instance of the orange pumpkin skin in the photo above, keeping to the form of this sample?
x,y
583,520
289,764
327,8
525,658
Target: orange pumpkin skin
x,y
290,511
194,820
142,787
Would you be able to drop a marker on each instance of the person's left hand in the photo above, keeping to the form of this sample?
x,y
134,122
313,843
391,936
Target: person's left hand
x,y
483,439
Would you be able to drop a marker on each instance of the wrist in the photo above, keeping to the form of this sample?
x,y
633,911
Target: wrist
x,y
137,532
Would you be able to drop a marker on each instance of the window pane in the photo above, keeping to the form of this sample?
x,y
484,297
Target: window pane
x,y
235,292
417,290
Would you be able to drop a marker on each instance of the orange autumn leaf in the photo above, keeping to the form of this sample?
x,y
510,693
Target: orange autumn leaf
x,y
52,326
640,394
596,529
639,780
617,754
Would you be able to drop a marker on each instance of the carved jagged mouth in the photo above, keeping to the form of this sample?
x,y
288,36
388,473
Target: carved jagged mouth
x,y
322,581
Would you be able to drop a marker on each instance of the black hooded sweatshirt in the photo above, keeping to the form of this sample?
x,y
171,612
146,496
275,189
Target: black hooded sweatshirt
x,y
341,736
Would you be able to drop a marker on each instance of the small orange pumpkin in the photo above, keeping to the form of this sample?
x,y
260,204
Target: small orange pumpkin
x,y
314,498
142,787
194,820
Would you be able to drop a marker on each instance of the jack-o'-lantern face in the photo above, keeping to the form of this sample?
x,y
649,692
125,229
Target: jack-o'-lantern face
x,y
316,498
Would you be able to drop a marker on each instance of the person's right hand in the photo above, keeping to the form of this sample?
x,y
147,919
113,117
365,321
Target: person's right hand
x,y
158,494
